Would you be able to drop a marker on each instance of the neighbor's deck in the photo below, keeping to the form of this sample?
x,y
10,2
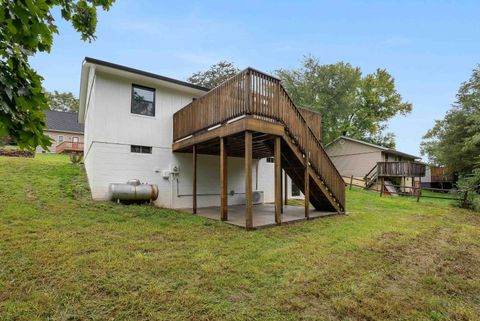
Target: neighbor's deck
x,y
401,169
69,148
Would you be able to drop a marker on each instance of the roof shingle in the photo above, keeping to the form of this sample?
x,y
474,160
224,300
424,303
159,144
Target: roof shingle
x,y
63,121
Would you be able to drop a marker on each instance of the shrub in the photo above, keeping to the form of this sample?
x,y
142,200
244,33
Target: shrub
x,y
76,158
469,184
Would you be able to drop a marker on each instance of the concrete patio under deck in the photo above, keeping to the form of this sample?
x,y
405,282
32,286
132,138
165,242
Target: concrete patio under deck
x,y
263,214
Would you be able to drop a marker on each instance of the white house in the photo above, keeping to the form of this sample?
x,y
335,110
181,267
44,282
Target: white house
x,y
127,137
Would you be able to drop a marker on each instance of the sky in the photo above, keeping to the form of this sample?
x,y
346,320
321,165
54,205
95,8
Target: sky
x,y
429,47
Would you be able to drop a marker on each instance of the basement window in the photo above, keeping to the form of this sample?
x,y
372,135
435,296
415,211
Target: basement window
x,y
295,190
141,149
143,101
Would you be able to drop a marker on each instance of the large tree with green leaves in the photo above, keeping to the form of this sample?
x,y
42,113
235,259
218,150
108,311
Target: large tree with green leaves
x,y
27,27
62,101
215,75
351,104
454,141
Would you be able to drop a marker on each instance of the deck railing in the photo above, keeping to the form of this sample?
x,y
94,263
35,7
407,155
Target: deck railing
x,y
407,169
441,174
254,93
69,147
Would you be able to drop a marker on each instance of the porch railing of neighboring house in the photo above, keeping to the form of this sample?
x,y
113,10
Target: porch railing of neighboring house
x,y
255,94
401,169
441,174
69,147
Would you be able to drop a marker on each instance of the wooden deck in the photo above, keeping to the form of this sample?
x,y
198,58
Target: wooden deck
x,y
69,148
441,174
401,169
251,116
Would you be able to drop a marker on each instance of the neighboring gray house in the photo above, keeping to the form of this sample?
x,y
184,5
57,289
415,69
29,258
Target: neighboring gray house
x,y
66,132
367,162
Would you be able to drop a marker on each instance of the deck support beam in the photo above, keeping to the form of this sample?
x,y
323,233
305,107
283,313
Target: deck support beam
x,y
248,181
285,187
223,181
278,180
194,183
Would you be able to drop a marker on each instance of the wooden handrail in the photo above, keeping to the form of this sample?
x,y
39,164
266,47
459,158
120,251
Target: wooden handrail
x,y
254,93
370,172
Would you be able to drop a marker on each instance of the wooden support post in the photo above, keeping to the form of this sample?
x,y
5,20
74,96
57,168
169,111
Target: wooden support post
x,y
281,189
248,181
194,192
351,182
223,181
285,187
307,188
418,189
278,181
382,185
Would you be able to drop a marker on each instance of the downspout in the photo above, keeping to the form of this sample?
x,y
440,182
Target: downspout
x,y
256,175
171,191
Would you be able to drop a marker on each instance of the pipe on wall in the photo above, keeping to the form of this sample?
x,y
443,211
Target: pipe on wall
x,y
172,179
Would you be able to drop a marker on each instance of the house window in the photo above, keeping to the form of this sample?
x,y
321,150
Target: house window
x,y
295,190
141,149
60,139
270,159
143,101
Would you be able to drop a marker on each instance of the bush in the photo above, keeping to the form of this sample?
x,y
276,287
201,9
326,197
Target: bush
x,y
5,141
471,185
76,158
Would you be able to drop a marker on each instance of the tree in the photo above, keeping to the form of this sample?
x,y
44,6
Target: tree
x,y
61,101
454,141
214,76
351,104
27,27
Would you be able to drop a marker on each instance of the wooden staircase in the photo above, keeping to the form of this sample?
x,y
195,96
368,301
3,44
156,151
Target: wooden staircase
x,y
320,196
260,97
371,177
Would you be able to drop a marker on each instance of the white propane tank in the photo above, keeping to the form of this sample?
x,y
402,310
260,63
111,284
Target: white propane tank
x,y
133,191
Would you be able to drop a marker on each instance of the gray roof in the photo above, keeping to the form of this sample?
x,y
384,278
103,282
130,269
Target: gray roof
x,y
384,149
144,73
63,121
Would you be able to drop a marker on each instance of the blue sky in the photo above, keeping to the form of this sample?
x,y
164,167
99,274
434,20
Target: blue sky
x,y
430,47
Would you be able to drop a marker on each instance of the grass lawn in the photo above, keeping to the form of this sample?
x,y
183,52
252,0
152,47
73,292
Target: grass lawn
x,y
65,257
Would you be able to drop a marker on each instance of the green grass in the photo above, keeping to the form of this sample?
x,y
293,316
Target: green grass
x,y
65,257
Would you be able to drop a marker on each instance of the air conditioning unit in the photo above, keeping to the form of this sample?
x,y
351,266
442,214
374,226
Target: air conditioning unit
x,y
257,197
